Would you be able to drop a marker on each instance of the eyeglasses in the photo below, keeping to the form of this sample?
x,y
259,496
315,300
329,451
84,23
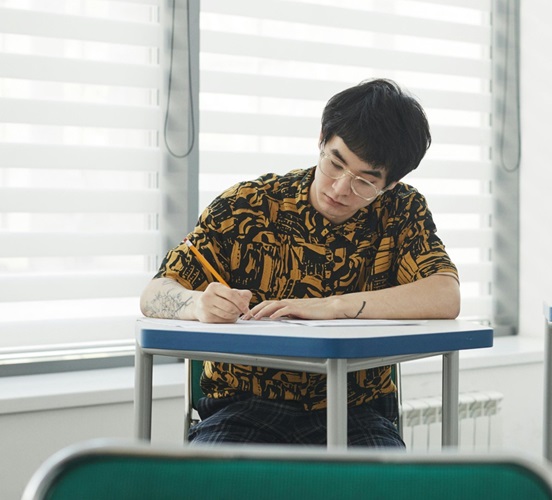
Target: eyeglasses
x,y
361,187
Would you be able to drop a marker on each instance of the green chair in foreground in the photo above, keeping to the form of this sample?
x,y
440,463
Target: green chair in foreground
x,y
104,470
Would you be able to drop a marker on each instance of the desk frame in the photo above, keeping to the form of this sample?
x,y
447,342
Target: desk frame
x,y
335,369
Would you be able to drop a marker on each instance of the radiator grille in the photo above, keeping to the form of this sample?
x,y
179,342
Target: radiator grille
x,y
480,425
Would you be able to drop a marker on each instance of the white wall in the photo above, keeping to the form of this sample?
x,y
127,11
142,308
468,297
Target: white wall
x,y
536,165
29,436
42,414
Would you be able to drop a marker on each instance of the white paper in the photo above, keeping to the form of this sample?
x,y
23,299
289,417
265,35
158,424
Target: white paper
x,y
352,322
283,322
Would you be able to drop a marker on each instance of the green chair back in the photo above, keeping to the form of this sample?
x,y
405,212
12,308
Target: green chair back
x,y
247,473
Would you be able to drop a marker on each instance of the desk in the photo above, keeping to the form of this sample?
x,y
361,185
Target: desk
x,y
332,350
547,432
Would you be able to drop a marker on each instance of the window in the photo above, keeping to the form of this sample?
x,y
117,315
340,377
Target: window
x,y
267,69
79,155
88,195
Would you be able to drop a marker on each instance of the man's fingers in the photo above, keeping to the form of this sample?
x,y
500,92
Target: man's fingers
x,y
269,309
229,300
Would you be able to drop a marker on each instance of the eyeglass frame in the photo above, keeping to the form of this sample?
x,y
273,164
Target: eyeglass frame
x,y
324,155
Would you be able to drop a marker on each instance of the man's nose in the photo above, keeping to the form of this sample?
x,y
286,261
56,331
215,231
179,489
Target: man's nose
x,y
343,185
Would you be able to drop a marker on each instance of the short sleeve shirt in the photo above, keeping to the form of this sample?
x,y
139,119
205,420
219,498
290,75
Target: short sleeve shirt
x,y
265,236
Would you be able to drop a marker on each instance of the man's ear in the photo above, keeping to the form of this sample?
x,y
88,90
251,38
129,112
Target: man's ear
x,y
391,186
320,140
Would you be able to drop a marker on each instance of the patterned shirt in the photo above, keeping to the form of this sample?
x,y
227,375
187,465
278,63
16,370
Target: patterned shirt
x,y
265,236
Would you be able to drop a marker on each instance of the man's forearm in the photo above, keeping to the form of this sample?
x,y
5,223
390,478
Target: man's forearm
x,y
165,298
436,297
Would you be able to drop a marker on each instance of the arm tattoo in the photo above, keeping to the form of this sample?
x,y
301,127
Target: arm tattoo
x,y
359,311
168,304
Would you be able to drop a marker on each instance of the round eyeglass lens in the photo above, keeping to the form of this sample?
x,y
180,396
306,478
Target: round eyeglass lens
x,y
364,188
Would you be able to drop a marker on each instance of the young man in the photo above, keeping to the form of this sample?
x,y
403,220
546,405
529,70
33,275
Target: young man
x,y
344,239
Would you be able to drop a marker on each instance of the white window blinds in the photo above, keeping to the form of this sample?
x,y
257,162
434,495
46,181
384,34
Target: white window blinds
x,y
267,69
79,156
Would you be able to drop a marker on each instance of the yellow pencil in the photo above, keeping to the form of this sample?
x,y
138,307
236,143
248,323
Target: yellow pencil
x,y
205,263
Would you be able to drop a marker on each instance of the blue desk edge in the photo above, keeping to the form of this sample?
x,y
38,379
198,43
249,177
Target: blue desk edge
x,y
258,345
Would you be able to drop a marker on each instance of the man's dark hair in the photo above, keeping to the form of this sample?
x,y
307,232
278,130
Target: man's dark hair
x,y
380,124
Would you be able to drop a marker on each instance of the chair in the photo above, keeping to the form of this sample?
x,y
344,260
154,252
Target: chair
x,y
137,471
194,393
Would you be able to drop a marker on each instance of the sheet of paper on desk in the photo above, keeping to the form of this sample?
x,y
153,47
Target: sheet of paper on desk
x,y
196,325
353,322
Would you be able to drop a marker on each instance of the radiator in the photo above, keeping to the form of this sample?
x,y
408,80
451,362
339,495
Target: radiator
x,y
480,425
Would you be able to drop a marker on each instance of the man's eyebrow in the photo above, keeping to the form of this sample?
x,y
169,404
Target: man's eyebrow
x,y
337,154
376,172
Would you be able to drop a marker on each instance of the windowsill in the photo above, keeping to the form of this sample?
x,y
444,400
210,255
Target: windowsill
x,y
506,351
116,385
85,388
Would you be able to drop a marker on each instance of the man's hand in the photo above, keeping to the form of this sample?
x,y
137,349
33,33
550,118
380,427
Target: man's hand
x,y
295,308
165,298
220,304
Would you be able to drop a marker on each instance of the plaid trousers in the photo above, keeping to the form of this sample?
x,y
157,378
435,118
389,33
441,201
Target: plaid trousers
x,y
249,419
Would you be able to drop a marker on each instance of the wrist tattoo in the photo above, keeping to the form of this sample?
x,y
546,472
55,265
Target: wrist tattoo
x,y
167,305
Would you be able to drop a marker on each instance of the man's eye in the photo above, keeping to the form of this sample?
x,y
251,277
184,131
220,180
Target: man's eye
x,y
337,167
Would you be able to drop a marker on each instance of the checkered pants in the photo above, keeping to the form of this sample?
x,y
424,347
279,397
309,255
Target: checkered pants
x,y
249,419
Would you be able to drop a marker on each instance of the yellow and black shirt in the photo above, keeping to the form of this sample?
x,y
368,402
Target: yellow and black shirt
x,y
264,236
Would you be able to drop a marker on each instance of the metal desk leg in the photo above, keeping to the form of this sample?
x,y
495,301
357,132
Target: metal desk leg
x,y
143,374
547,432
188,400
451,366
337,403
